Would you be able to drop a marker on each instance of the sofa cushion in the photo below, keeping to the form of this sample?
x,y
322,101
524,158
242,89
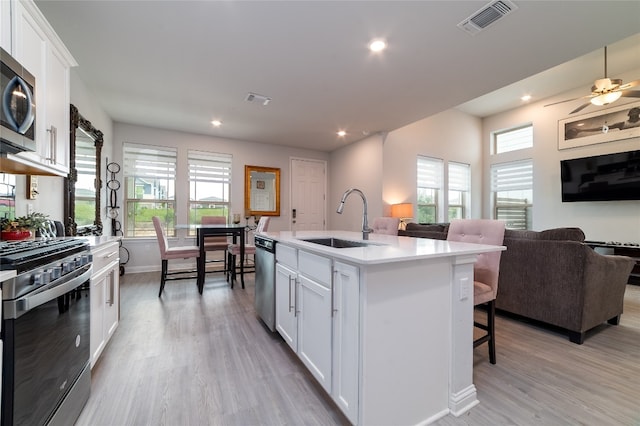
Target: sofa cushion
x,y
563,234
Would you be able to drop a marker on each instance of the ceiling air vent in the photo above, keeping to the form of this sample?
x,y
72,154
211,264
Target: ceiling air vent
x,y
487,16
261,99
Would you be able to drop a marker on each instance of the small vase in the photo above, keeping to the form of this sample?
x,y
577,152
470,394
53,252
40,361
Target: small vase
x,y
16,235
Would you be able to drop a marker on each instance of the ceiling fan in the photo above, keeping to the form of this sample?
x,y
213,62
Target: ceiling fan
x,y
605,91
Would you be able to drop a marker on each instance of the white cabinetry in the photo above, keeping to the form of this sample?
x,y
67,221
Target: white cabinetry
x,y
314,316
5,26
346,332
40,51
105,297
317,314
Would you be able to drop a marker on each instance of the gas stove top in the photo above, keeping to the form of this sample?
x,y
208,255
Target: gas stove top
x,y
25,255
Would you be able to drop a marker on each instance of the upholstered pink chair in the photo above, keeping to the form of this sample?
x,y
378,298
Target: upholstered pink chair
x,y
234,249
485,270
166,253
215,243
386,225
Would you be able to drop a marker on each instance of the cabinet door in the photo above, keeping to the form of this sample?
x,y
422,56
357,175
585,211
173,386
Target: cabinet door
x,y
286,292
314,329
57,124
112,301
6,26
346,339
97,296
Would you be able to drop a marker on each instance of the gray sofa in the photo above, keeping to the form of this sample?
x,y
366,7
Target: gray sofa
x,y
553,277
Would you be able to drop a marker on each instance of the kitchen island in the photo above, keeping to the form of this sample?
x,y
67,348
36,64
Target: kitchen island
x,y
386,328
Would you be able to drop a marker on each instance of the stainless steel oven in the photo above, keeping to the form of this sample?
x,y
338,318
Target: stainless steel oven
x,y
46,332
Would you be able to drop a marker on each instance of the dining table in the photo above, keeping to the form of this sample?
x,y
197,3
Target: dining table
x,y
236,231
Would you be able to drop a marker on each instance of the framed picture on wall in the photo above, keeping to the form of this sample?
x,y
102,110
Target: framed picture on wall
x,y
604,125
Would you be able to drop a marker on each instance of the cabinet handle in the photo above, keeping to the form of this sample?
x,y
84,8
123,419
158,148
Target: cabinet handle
x,y
333,305
110,255
111,288
296,282
53,144
290,306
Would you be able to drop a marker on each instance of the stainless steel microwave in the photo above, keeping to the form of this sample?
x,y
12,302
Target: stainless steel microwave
x,y
18,118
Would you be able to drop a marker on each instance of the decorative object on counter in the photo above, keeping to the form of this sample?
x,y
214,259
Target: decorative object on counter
x,y
23,227
402,211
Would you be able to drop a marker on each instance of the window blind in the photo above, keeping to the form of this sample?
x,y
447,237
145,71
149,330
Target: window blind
x,y
459,177
515,175
515,139
144,161
209,167
429,172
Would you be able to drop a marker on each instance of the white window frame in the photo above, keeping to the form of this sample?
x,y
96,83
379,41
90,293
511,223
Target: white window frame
x,y
459,180
208,167
151,164
430,176
514,139
512,176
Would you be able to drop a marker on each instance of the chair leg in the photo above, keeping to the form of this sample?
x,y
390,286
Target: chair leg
x,y
163,275
491,325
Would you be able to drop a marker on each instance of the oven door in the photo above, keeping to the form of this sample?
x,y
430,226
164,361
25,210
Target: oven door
x,y
46,348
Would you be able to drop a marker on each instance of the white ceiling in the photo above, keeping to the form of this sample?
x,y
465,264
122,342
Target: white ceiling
x,y
180,64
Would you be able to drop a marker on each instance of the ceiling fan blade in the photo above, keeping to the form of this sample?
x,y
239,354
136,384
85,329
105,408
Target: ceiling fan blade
x,y
631,93
580,108
629,85
569,100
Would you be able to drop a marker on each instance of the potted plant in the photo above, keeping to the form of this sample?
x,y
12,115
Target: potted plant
x,y
22,227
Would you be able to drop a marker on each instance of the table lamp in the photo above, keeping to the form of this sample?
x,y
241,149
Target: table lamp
x,y
402,211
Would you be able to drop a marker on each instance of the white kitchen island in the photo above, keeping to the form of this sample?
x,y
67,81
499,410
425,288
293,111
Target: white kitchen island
x,y
386,329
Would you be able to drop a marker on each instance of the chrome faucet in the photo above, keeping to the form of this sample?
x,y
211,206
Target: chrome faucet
x,y
365,223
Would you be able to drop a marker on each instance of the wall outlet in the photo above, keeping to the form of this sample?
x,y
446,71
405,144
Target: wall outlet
x,y
29,208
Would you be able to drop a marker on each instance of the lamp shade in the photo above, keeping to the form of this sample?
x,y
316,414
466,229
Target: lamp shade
x,y
402,210
606,98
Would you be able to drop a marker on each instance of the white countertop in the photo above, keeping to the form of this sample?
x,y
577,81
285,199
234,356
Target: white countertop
x,y
383,248
100,240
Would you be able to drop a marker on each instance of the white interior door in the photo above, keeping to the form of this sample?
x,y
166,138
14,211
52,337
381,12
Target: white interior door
x,y
308,189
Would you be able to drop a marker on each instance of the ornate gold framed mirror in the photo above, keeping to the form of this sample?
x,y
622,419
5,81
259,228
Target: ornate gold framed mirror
x,y
83,185
261,191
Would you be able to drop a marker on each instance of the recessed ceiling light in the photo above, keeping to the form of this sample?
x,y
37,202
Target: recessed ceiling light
x,y
216,123
526,98
342,133
377,45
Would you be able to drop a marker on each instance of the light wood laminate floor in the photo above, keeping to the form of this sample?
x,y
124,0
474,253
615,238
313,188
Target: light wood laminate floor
x,y
187,359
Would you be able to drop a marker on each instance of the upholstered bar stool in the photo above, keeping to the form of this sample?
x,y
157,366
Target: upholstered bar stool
x,y
485,270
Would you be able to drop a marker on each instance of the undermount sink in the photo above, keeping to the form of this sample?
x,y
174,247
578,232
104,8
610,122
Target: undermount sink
x,y
337,242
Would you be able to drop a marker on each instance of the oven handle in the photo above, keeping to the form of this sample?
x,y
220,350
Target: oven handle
x,y
20,306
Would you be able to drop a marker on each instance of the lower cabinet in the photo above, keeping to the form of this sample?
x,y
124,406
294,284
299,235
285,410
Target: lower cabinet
x,y
317,314
105,297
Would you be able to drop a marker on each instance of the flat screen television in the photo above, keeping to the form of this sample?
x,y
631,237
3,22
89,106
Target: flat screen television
x,y
602,177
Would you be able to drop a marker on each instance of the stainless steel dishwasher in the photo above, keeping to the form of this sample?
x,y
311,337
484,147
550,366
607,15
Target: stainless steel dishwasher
x,y
265,294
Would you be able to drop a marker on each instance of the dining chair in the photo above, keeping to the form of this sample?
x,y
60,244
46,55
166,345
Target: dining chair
x,y
215,243
234,249
166,253
485,270
386,225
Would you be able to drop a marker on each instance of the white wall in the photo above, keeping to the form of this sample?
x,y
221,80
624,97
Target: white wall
x,y
144,252
87,106
358,165
451,136
603,221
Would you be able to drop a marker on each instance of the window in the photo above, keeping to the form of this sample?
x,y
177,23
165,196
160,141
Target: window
x,y
149,175
514,139
512,190
209,185
85,190
459,190
429,187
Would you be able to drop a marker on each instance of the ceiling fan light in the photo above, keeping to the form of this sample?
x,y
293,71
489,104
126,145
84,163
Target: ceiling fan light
x,y
606,98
